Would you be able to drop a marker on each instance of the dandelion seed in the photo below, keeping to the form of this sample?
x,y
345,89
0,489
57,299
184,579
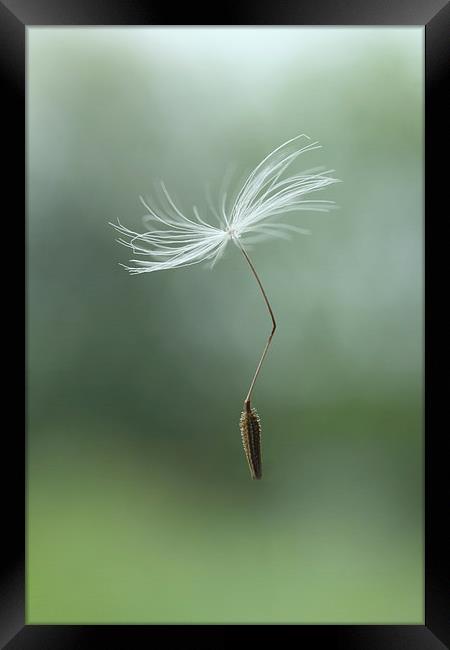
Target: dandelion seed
x,y
174,240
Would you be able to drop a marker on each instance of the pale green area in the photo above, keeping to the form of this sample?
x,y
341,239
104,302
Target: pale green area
x,y
140,505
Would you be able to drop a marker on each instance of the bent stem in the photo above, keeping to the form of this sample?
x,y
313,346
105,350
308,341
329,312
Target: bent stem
x,y
274,326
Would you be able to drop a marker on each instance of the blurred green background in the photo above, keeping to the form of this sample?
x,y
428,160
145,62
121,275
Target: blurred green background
x,y
140,504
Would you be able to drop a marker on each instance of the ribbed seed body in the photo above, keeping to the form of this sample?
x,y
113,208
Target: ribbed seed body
x,y
251,438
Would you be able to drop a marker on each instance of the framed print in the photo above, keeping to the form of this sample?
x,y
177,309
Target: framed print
x,y
225,227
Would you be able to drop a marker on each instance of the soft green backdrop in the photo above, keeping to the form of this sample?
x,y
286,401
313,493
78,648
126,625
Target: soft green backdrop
x,y
140,504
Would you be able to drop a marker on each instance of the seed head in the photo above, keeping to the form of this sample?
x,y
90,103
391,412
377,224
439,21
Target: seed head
x,y
251,439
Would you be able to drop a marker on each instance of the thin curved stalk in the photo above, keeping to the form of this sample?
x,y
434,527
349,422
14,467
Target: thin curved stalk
x,y
274,325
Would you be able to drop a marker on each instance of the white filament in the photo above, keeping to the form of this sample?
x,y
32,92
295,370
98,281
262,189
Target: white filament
x,y
174,240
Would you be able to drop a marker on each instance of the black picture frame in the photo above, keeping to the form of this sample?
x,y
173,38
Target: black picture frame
x,y
434,15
